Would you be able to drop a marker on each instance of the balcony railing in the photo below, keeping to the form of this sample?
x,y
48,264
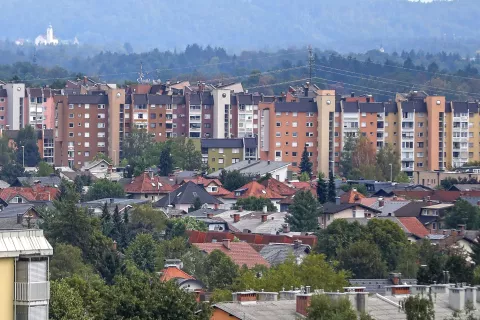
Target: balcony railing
x,y
32,291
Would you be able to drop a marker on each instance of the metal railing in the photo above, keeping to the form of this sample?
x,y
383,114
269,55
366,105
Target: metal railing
x,y
32,291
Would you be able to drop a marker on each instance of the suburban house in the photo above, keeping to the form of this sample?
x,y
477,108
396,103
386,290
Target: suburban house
x,y
147,186
102,169
184,197
333,211
259,168
277,253
252,189
96,206
220,153
430,214
25,291
51,181
173,272
253,221
240,252
213,186
33,194
280,188
19,216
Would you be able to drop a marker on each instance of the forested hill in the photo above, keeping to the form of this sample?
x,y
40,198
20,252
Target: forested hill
x,y
342,25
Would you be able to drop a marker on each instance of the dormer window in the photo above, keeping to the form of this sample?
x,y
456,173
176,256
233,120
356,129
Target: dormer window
x,y
238,193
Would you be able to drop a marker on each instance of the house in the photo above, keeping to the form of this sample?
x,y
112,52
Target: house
x,y
428,213
386,206
277,253
213,186
240,252
184,197
437,195
333,211
278,187
147,186
260,168
253,221
71,175
252,189
173,272
32,194
51,181
220,153
24,274
4,184
351,196
414,228
102,169
96,206
207,216
19,216
465,187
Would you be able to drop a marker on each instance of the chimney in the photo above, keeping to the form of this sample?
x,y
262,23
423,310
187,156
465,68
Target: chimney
x,y
236,217
215,206
461,229
352,94
264,217
226,243
471,296
114,245
296,244
394,198
268,162
209,215
354,189
286,228
248,297
265,209
429,202
456,299
19,218
337,200
381,202
303,303
395,278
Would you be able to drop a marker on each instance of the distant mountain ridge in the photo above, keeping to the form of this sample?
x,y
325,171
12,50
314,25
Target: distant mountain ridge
x,y
344,25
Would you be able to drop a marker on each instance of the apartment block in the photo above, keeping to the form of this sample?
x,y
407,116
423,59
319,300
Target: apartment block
x,y
3,108
25,291
16,113
45,142
40,107
221,153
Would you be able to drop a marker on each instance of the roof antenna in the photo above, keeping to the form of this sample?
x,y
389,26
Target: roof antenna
x,y
311,62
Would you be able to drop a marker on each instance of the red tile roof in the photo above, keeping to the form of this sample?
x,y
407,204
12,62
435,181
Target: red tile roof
x,y
438,195
202,180
35,193
240,252
351,197
414,226
278,187
254,189
173,272
144,183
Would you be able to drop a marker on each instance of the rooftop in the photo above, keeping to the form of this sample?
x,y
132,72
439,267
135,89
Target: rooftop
x,y
253,189
260,167
261,310
14,243
186,194
240,252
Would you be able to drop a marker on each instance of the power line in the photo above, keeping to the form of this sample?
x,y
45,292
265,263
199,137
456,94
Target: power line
x,y
256,74
354,85
277,84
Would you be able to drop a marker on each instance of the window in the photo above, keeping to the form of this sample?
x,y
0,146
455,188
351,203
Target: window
x,y
102,116
420,164
309,144
70,125
235,150
278,134
420,154
309,124
87,134
470,134
294,134
294,164
213,159
420,124
420,134
17,200
70,106
420,144
70,134
87,124
71,115
294,114
278,124
309,134
153,125
294,124
294,154
220,150
364,124
310,114
101,106
101,144
87,144
278,114
87,106
153,115
220,160
101,125
277,144
100,134
206,116
278,153
294,144
207,125
87,153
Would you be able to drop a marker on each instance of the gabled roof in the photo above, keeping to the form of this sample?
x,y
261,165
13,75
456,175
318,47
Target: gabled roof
x,y
174,272
52,181
278,187
351,196
465,187
414,226
35,193
240,252
437,195
259,167
93,164
186,194
253,189
277,253
221,191
331,208
412,209
145,183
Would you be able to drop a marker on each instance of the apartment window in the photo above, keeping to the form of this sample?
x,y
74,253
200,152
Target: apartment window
x,y
70,125
87,153
294,154
235,150
71,115
153,125
206,116
70,106
420,164
102,115
70,134
309,144
470,154
470,134
101,125
87,124
278,114
87,106
309,124
309,134
207,125
420,114
101,144
364,124
294,124
294,134
220,160
278,124
420,144
294,144
87,134
278,153
420,124
87,144
277,144
101,106
310,114
220,150
153,115
420,154
470,145
294,114
420,135
364,114
278,134
294,164
100,134
70,143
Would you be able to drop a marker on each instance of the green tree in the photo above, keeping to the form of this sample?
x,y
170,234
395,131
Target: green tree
x,y
179,226
166,162
419,308
232,180
44,169
191,158
221,295
67,262
387,156
337,236
332,194
106,220
346,156
119,229
304,212
305,163
145,219
222,271
144,252
460,270
304,177
322,192
6,152
197,204
363,259
65,302
402,177
11,171
104,188
102,156
324,308
463,213
254,204
27,148
359,187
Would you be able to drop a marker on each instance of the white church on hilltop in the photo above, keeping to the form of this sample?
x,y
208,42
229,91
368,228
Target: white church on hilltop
x,y
48,39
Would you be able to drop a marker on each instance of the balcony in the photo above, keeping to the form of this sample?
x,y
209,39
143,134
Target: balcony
x,y
32,291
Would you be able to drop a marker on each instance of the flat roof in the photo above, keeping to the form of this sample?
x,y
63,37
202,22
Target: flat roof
x,y
14,243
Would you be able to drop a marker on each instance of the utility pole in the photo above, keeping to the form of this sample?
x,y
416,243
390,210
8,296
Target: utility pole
x,y
311,62
140,74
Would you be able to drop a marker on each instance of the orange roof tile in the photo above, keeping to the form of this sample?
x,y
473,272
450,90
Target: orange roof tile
x,y
254,189
173,272
240,252
414,226
35,193
437,195
202,180
144,183
278,187
351,196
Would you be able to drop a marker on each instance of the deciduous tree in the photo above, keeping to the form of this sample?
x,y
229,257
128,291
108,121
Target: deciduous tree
x,y
27,148
255,204
104,188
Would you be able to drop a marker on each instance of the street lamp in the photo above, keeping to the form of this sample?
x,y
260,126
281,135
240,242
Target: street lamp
x,y
23,156
391,172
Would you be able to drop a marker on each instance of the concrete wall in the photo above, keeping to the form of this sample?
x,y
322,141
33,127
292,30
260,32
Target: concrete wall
x,y
6,289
